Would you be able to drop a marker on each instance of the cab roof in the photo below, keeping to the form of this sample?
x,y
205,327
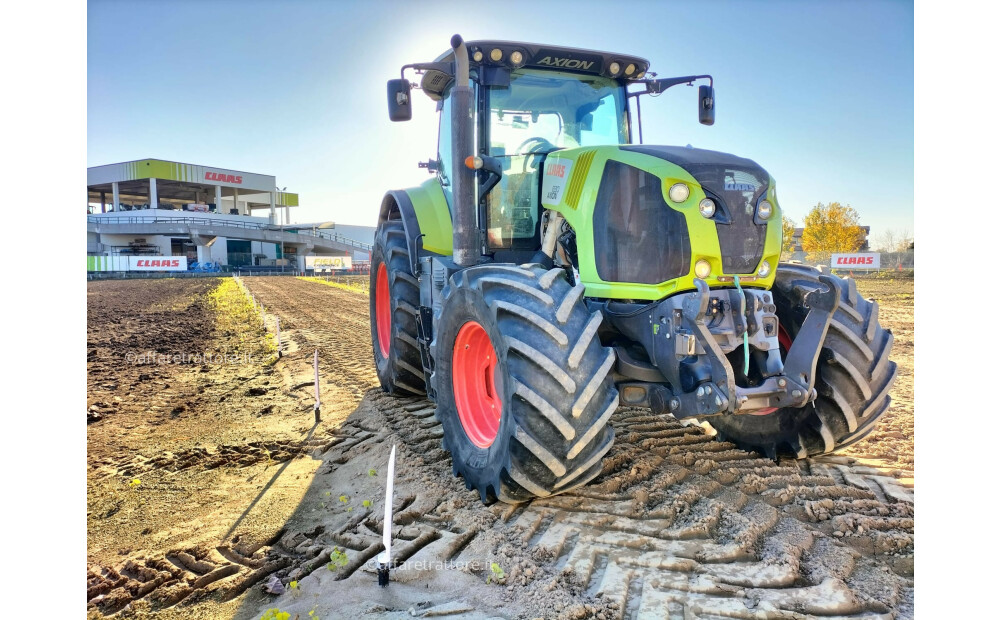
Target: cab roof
x,y
489,53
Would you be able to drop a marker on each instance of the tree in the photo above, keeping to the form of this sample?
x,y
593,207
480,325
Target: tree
x,y
787,233
832,228
894,241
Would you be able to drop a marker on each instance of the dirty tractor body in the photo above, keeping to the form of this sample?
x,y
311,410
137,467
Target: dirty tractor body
x,y
554,269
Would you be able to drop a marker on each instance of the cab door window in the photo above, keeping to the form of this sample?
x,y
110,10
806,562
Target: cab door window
x,y
445,156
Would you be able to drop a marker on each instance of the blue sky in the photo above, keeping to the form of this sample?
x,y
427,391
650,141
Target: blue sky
x,y
819,93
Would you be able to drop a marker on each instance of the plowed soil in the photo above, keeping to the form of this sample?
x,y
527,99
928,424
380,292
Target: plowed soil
x,y
678,525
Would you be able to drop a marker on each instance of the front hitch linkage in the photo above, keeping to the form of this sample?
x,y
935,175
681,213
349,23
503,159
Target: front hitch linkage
x,y
792,389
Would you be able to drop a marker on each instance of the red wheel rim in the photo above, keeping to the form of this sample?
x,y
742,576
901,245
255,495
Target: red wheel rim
x,y
383,311
784,341
784,344
473,366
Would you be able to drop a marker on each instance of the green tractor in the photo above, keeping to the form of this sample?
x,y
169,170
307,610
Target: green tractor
x,y
554,268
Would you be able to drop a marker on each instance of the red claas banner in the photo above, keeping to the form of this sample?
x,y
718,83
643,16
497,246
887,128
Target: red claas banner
x,y
855,261
157,263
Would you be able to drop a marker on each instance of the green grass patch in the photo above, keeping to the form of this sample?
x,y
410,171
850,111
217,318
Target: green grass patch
x,y
241,327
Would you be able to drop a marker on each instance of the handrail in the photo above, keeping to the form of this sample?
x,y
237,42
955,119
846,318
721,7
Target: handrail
x,y
202,221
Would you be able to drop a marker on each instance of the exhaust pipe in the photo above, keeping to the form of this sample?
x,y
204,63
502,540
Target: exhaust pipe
x,y
465,249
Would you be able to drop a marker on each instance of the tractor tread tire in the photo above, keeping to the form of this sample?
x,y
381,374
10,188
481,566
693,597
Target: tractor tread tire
x,y
853,376
401,372
559,394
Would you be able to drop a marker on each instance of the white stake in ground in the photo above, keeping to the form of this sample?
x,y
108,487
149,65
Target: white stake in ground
x,y
383,558
316,374
277,332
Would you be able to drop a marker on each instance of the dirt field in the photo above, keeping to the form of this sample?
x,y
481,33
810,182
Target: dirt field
x,y
237,487
890,445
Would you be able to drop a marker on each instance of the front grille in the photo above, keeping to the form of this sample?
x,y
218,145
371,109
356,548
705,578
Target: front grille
x,y
637,236
736,190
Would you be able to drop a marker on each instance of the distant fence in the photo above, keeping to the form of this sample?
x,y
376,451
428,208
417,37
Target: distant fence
x,y
150,275
249,225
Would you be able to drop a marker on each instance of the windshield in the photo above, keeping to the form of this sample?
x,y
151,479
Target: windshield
x,y
544,110
539,112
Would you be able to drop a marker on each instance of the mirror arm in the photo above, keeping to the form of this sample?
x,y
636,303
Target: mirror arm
x,y
658,86
444,67
489,175
638,116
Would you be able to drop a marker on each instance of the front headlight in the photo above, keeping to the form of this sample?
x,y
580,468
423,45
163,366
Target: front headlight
x,y
764,209
707,207
679,192
765,268
702,269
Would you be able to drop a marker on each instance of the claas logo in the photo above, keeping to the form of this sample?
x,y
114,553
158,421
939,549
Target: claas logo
x,y
152,262
224,178
555,170
855,260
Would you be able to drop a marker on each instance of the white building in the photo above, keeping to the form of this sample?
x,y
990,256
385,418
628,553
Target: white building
x,y
159,208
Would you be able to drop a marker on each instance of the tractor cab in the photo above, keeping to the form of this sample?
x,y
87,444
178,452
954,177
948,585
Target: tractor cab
x,y
528,101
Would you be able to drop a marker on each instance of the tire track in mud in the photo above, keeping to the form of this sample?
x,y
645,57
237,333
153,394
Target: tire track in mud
x,y
312,317
181,575
189,575
205,458
326,318
678,525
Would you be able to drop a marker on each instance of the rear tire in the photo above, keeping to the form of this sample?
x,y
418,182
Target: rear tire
x,y
551,379
853,376
394,296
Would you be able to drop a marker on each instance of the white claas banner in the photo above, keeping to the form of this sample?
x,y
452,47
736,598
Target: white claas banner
x,y
328,263
855,261
157,263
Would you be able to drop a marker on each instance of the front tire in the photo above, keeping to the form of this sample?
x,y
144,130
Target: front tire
x,y
853,375
394,296
523,389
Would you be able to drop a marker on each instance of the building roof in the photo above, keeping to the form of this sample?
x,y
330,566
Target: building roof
x,y
192,176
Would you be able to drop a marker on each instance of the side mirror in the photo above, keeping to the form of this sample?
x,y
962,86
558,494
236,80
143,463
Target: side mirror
x,y
398,94
706,105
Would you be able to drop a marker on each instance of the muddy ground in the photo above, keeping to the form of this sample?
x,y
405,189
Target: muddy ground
x,y
890,445
238,488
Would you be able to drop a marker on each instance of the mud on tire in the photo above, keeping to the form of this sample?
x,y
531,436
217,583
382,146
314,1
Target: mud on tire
x,y
853,376
399,370
552,375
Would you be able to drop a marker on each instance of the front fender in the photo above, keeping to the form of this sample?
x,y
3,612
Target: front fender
x,y
426,219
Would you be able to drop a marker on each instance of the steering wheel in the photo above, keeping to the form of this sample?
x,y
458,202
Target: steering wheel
x,y
541,145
